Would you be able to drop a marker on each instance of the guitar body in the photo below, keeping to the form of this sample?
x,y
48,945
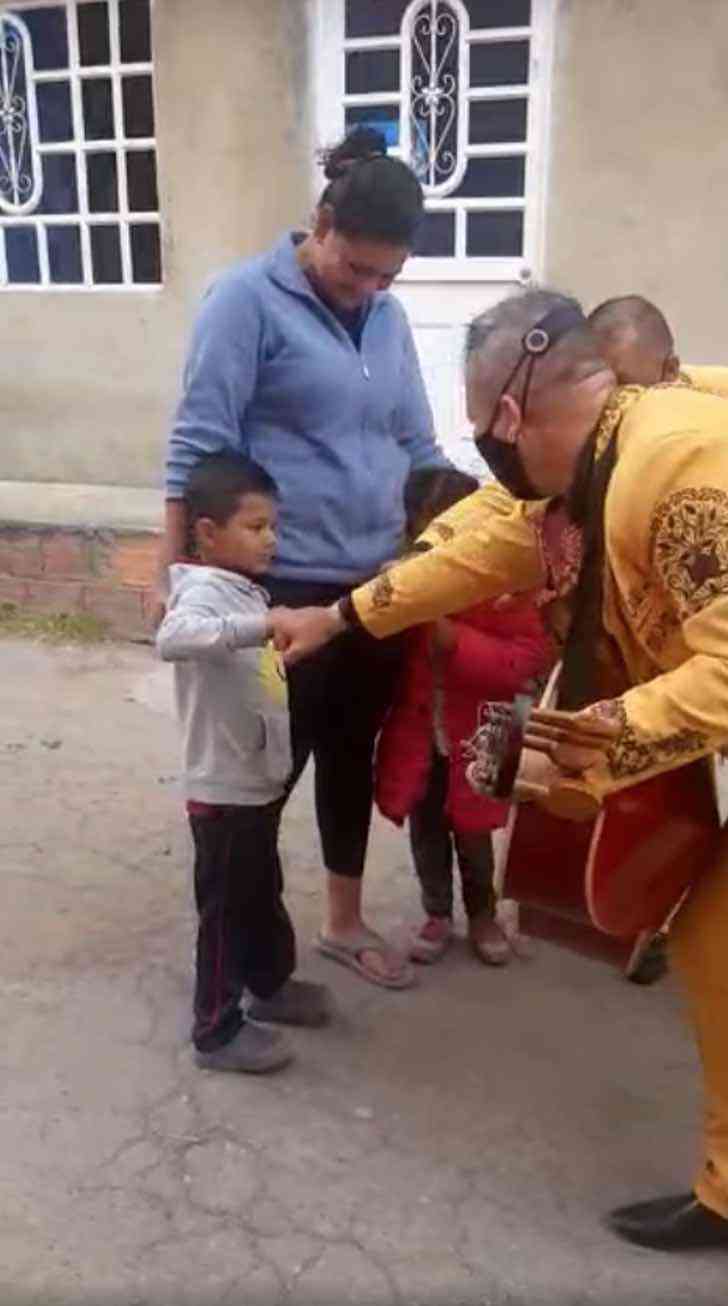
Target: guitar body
x,y
599,887
604,887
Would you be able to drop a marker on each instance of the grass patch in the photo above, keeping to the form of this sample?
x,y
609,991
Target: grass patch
x,y
51,628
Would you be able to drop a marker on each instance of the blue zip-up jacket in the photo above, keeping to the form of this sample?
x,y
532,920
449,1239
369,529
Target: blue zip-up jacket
x,y
273,373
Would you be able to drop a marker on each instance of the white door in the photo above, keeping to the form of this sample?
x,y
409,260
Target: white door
x,y
460,89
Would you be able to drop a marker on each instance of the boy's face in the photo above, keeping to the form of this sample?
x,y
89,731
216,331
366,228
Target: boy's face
x,y
247,541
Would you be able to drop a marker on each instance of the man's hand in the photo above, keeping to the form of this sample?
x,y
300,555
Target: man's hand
x,y
574,741
297,633
538,769
556,787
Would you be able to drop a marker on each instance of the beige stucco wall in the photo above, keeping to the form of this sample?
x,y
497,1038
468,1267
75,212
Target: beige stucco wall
x,y
638,182
637,201
87,381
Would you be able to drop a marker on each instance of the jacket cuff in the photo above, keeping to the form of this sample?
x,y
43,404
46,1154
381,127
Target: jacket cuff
x,y
349,613
247,632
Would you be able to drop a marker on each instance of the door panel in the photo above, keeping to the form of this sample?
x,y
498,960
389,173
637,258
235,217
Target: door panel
x,y
460,89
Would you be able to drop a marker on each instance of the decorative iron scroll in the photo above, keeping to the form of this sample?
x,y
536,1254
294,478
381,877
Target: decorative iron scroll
x,y
21,177
435,59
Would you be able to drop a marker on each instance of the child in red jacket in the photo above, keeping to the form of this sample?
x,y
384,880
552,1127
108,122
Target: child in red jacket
x,y
449,668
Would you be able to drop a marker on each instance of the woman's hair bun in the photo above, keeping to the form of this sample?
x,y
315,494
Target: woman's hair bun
x,y
359,146
369,194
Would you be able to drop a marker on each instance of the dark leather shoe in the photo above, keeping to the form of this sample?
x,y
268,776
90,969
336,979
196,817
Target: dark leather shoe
x,y
670,1223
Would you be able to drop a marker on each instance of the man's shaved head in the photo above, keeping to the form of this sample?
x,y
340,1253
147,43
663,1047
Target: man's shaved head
x,y
635,340
535,381
495,338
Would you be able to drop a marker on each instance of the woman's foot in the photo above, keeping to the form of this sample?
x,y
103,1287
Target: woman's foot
x,y
347,939
368,955
488,941
431,940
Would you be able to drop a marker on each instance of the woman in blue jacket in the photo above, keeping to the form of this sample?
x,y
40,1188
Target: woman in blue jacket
x,y
301,359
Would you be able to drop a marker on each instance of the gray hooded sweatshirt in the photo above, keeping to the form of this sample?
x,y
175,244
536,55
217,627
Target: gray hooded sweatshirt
x,y
230,687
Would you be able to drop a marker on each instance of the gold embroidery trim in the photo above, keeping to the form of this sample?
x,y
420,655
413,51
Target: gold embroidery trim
x,y
633,753
619,403
442,529
382,591
689,546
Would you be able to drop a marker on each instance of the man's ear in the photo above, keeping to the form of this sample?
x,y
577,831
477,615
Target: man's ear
x,y
507,421
671,368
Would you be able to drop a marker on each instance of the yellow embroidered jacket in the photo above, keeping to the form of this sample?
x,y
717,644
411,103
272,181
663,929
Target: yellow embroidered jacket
x,y
665,610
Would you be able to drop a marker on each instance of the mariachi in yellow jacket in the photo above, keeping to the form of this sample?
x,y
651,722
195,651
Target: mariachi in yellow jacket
x,y
664,652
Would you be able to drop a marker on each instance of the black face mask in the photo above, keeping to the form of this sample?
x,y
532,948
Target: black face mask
x,y
506,464
504,460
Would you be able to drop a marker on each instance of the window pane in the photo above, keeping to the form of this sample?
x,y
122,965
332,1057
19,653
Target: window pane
x,y
492,121
383,117
64,255
55,119
21,253
138,106
372,70
499,63
103,190
436,236
106,255
136,37
49,37
499,13
98,108
146,256
93,33
374,17
495,235
60,192
489,178
141,174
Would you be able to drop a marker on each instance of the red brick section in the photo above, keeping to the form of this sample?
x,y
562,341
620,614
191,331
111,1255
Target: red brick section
x,y
105,573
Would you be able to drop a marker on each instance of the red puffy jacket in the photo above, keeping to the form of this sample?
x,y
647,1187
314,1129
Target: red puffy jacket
x,y
497,650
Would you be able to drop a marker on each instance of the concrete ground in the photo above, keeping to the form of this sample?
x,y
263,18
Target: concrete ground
x,y
457,1143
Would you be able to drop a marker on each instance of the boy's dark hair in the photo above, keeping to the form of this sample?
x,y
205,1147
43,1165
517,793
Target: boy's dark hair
x,y
219,481
370,194
432,490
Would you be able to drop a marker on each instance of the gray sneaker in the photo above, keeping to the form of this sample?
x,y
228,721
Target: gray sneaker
x,y
253,1051
297,1002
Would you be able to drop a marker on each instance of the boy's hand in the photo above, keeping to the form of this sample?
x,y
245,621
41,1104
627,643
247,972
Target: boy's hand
x,y
297,633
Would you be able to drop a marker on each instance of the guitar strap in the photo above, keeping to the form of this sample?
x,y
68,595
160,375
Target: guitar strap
x,y
578,684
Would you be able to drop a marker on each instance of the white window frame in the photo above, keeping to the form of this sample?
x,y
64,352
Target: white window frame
x,y
328,49
83,218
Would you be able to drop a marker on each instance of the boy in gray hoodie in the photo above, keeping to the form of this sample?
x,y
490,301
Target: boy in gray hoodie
x,y
232,703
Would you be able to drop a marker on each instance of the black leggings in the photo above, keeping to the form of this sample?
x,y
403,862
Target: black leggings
x,y
338,701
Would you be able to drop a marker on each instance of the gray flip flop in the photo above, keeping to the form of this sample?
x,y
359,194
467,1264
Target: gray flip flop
x,y
348,954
